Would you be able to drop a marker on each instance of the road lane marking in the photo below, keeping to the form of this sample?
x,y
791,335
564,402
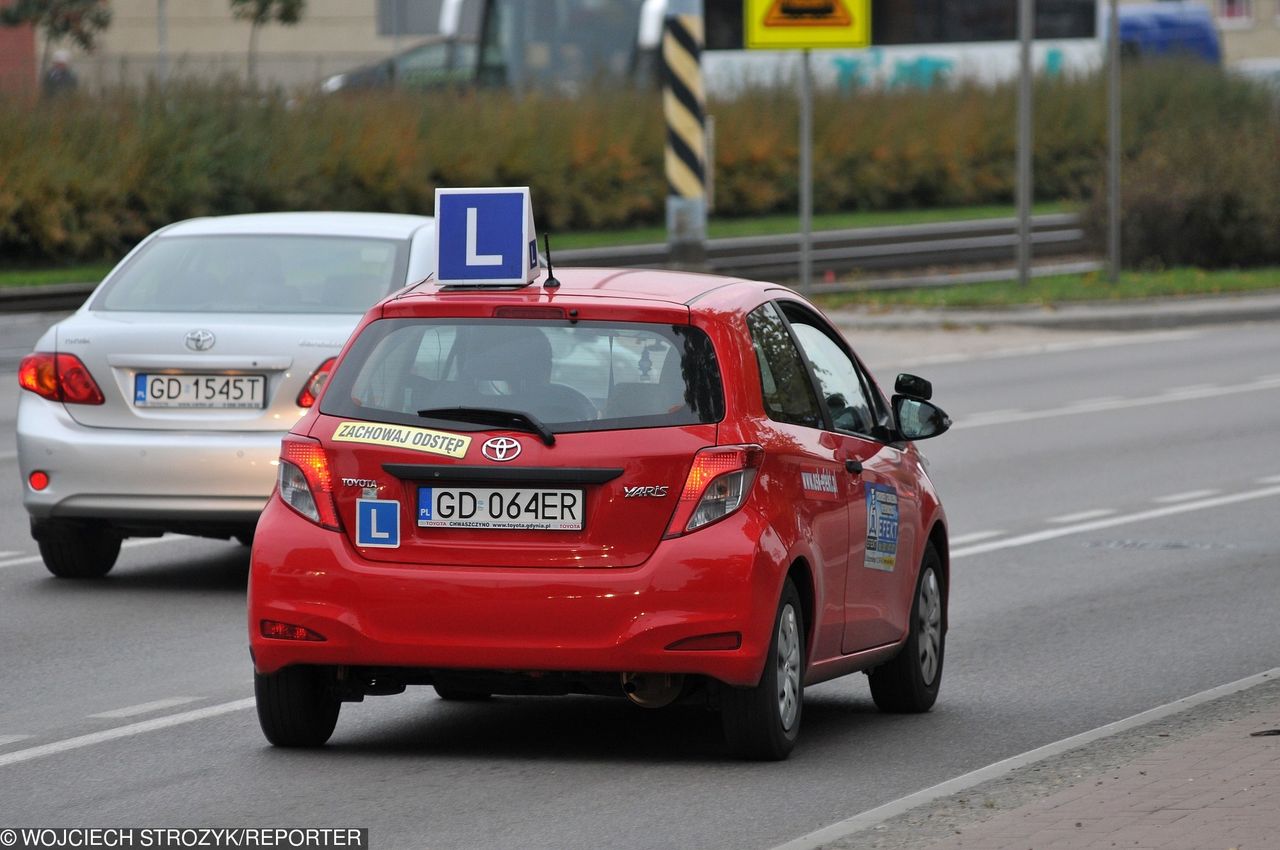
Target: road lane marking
x,y
6,740
1001,417
992,417
128,544
880,814
144,708
1080,516
4,555
975,536
1111,522
1190,389
1053,348
1090,402
1270,479
132,729
1174,498
149,541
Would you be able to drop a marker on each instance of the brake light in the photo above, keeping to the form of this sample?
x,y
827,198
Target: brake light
x,y
305,482
58,377
286,631
718,484
315,383
529,313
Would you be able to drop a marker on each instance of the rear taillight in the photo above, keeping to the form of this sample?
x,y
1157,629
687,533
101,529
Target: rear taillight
x,y
305,482
276,630
58,377
718,484
315,384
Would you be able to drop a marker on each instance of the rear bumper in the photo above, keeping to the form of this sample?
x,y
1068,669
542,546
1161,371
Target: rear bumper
x,y
514,618
152,477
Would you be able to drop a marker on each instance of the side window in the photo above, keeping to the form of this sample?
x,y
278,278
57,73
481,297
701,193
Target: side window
x,y
788,394
842,387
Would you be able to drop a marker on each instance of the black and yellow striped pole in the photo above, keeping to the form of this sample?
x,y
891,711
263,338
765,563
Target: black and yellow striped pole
x,y
683,106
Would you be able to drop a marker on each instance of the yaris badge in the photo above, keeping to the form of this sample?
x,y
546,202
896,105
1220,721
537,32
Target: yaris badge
x,y
500,449
201,340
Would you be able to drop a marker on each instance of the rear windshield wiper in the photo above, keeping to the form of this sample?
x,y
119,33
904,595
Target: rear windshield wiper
x,y
514,419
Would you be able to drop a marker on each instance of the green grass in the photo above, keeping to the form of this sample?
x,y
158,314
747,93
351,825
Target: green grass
x,y
790,223
87,273
1058,289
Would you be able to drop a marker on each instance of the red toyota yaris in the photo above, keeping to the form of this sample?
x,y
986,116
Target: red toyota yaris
x,y
659,485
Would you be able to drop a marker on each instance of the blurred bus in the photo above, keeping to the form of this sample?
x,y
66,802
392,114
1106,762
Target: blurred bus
x,y
568,45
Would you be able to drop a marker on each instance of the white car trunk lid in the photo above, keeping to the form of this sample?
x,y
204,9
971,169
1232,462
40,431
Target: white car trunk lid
x,y
129,352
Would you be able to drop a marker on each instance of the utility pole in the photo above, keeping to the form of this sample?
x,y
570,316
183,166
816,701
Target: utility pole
x,y
162,40
684,108
1026,32
1113,144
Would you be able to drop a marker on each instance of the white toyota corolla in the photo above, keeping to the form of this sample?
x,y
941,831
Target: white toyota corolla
x,y
159,405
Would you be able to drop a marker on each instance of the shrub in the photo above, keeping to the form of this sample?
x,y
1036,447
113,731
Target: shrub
x,y
87,178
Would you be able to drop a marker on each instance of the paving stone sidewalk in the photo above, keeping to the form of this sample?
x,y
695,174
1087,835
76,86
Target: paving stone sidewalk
x,y
1216,790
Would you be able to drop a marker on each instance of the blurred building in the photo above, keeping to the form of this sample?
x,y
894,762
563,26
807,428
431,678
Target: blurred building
x,y
204,39
1250,28
17,59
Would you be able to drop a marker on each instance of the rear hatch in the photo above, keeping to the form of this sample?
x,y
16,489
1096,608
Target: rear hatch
x,y
530,443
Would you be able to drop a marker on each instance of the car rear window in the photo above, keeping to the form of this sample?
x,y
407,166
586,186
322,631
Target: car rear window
x,y
257,274
581,376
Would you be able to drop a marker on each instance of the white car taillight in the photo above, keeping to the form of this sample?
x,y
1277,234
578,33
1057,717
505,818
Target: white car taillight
x,y
718,484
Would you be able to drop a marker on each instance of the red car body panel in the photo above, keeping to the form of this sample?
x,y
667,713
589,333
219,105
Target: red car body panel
x,y
616,596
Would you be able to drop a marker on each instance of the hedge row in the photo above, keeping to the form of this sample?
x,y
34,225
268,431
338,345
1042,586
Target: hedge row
x,y
87,178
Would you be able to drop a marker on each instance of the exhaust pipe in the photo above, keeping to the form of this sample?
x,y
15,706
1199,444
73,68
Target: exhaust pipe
x,y
652,690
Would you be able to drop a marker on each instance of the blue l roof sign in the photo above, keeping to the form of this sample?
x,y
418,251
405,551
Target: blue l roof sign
x,y
485,237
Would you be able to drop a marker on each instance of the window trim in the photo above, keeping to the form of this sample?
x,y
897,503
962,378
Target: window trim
x,y
824,415
880,433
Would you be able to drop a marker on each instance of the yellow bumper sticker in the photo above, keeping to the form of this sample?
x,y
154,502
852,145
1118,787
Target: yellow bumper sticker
x,y
403,437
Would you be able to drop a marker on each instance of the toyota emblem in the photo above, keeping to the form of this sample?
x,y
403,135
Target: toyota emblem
x,y
201,340
500,449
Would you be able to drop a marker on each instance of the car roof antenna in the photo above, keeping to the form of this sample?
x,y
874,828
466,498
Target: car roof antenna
x,y
551,282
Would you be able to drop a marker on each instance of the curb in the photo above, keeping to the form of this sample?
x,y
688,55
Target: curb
x,y
874,817
1105,315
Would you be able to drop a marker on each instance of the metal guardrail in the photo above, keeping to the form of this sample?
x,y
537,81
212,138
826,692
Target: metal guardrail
x,y
896,248
900,248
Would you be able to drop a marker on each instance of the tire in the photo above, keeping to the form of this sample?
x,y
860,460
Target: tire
x,y
296,707
451,694
763,722
909,683
76,549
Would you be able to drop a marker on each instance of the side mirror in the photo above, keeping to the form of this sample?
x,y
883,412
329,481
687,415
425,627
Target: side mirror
x,y
914,386
918,419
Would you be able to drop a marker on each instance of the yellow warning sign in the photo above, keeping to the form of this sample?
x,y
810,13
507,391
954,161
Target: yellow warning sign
x,y
805,24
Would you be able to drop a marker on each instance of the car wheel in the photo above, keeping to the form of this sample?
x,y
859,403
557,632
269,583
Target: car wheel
x,y
909,683
763,722
452,694
296,707
77,550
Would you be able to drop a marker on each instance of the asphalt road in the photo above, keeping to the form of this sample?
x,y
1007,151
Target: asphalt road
x,y
1113,501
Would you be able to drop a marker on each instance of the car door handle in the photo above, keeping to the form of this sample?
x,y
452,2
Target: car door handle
x,y
853,466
